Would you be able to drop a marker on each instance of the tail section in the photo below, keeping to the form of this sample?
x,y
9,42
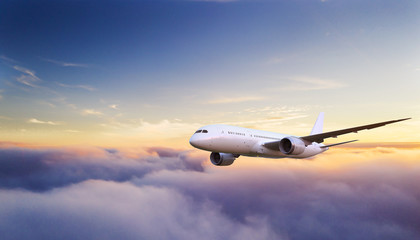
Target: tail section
x,y
318,124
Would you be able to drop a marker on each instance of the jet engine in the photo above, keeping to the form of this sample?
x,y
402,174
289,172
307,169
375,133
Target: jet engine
x,y
292,146
222,159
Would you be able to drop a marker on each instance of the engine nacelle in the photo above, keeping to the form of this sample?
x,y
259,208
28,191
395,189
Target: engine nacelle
x,y
222,159
292,146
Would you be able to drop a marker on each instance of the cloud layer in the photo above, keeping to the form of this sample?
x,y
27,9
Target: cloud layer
x,y
162,193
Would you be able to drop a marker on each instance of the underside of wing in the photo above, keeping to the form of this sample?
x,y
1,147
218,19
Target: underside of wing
x,y
319,138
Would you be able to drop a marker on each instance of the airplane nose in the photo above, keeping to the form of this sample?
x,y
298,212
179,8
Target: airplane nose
x,y
197,142
193,141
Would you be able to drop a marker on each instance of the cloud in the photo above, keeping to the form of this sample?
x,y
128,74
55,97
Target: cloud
x,y
34,120
27,72
66,64
164,129
267,117
265,122
168,193
85,87
91,112
44,169
72,131
113,106
109,210
224,100
7,59
310,84
28,77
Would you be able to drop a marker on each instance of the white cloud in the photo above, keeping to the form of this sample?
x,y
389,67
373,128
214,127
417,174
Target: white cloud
x,y
266,123
71,131
23,79
311,83
7,59
26,71
91,112
113,106
140,130
28,77
65,64
47,103
36,121
85,87
222,100
63,100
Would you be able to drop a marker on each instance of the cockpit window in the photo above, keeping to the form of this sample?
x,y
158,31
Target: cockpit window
x,y
198,131
205,131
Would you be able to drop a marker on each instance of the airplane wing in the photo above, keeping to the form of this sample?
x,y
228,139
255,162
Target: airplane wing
x,y
319,138
336,144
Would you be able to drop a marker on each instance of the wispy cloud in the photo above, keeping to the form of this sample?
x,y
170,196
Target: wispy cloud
x,y
85,87
28,77
277,110
47,104
66,64
71,131
64,101
303,83
139,130
222,100
7,59
113,106
263,123
36,121
91,112
26,71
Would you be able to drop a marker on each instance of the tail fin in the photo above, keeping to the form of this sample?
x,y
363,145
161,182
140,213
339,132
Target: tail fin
x,y
318,124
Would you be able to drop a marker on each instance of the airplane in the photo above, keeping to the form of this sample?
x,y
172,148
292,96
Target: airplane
x,y
226,143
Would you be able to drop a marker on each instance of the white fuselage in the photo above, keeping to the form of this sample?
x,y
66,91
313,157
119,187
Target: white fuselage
x,y
245,141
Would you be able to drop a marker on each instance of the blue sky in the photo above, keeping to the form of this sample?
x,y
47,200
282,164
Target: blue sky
x,y
98,68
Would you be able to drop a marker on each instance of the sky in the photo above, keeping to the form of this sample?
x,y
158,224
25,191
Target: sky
x,y
99,98
112,73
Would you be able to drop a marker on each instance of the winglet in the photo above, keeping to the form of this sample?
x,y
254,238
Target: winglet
x,y
318,124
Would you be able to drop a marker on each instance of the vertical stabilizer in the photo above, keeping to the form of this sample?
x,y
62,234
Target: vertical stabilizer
x,y
318,124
